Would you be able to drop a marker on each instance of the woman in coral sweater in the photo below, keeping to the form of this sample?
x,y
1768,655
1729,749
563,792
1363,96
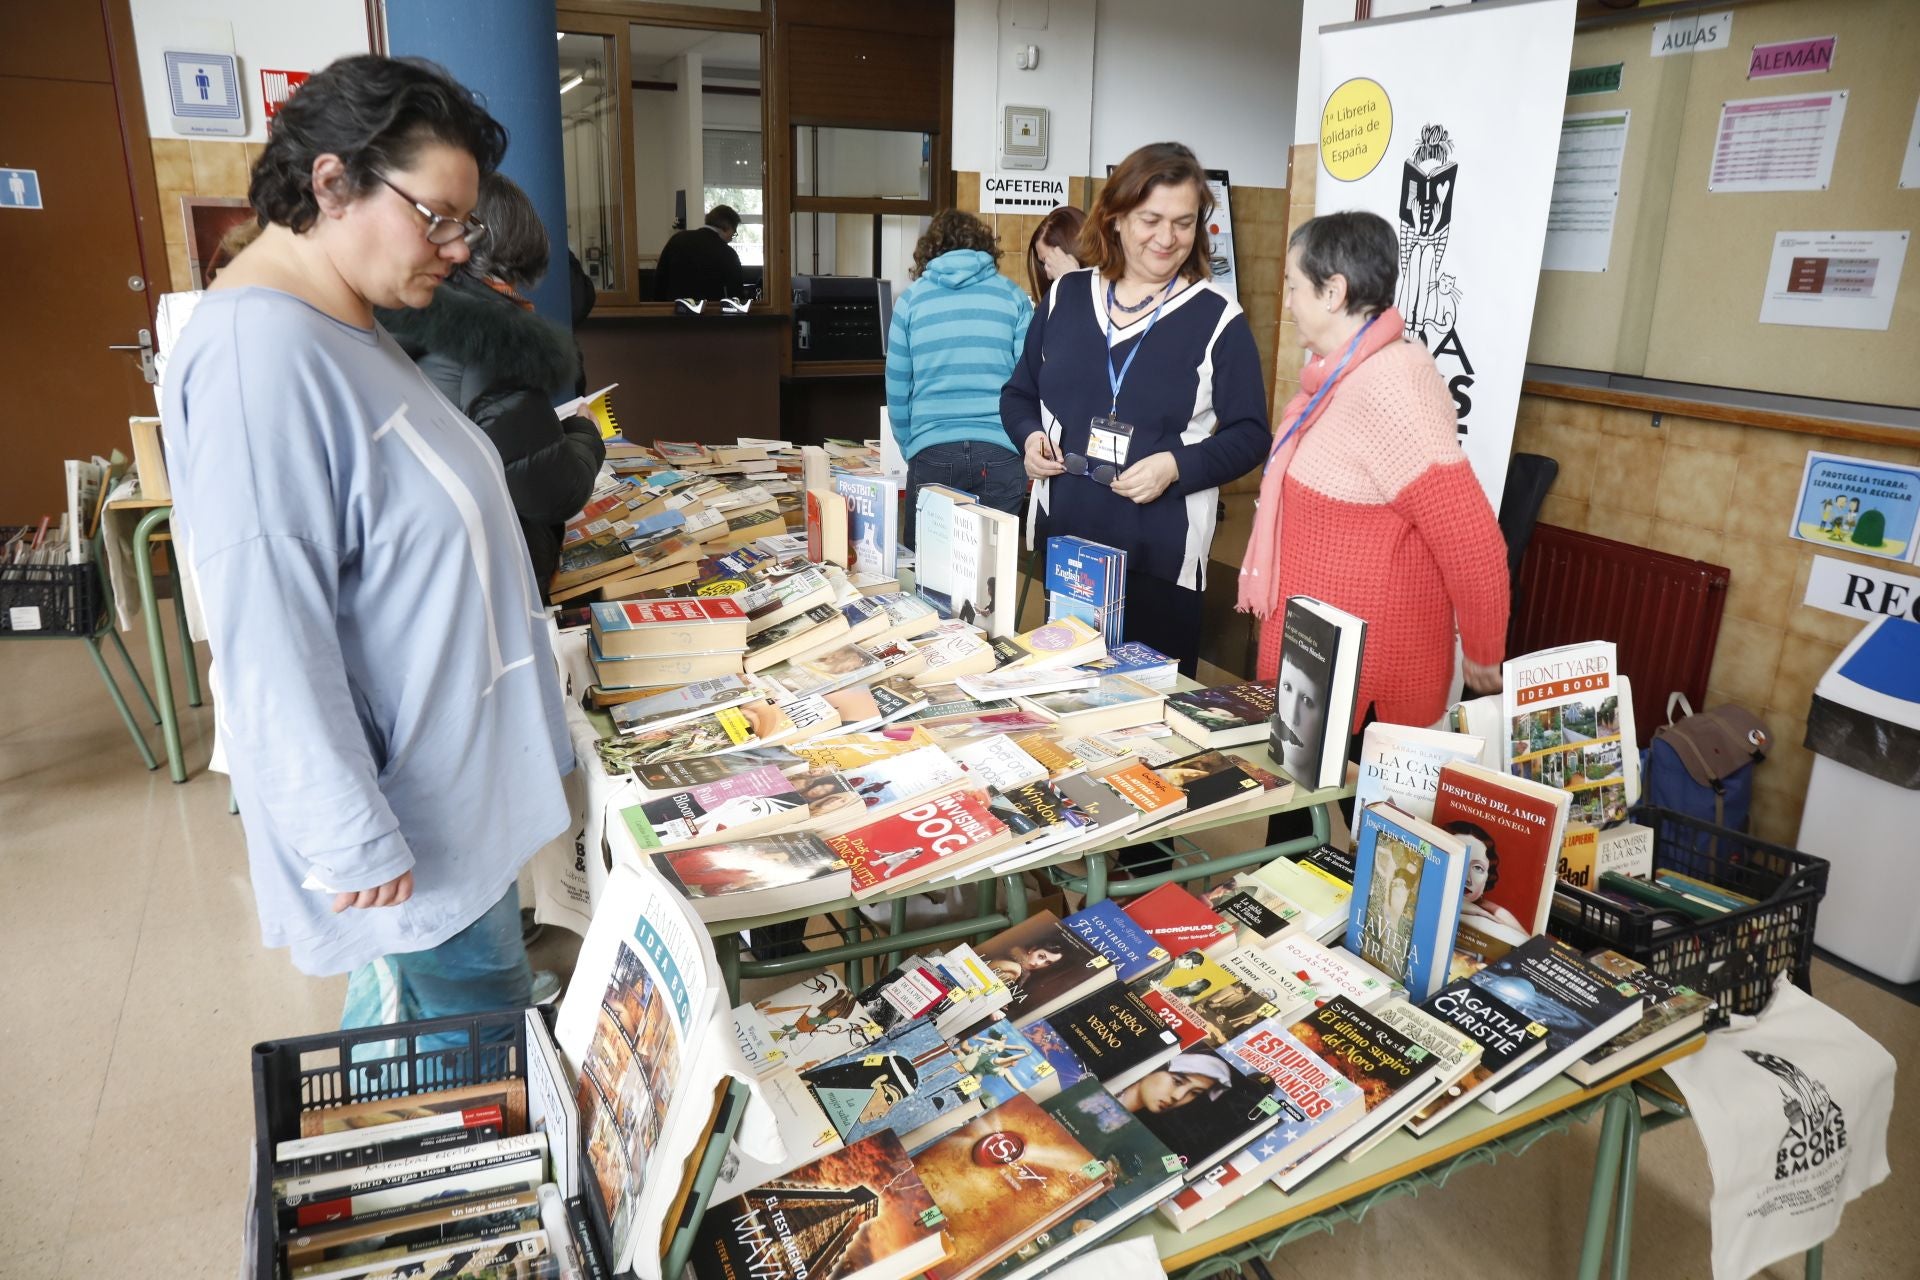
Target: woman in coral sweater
x,y
1367,501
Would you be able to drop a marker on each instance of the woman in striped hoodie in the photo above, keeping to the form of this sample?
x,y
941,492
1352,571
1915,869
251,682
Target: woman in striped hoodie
x,y
956,333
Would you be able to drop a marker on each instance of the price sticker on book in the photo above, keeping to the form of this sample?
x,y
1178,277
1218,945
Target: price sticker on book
x,y
932,1217
1098,962
1268,1010
1172,1164
1093,1169
1042,1071
874,1030
1158,953
1271,1106
969,1085
874,1060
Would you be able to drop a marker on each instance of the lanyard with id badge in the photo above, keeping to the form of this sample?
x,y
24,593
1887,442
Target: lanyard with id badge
x,y
1108,438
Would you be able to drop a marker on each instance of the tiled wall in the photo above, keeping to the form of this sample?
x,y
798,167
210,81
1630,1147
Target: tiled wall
x,y
1723,494
193,167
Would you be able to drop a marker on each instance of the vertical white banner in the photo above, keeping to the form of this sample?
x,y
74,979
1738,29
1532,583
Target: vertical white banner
x,y
1447,124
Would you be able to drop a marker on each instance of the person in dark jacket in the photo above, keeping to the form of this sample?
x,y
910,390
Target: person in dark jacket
x,y
500,364
700,262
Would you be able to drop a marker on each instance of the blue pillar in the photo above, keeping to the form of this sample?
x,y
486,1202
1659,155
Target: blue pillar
x,y
504,50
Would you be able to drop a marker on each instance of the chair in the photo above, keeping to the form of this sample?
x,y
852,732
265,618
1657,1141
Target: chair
x,y
1529,477
101,620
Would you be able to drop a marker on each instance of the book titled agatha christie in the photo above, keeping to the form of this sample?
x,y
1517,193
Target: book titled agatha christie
x,y
860,1213
1582,1006
1507,1038
1001,1180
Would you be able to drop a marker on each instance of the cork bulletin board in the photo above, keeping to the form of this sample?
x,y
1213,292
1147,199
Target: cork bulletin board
x,y
1687,269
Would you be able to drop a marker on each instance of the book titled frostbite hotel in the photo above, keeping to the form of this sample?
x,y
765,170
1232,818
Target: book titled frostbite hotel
x,y
1589,673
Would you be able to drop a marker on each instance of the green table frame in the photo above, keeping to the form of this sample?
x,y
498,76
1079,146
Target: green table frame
x,y
143,537
1268,1220
1004,901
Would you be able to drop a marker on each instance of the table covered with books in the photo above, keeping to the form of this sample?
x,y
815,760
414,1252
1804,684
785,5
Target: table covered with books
x,y
1080,1024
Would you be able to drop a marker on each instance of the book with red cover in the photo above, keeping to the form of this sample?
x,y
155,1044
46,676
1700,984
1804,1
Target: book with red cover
x,y
1512,828
919,841
1003,1179
1179,921
642,628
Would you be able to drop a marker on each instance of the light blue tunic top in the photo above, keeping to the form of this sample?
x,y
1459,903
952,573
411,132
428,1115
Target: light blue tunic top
x,y
387,694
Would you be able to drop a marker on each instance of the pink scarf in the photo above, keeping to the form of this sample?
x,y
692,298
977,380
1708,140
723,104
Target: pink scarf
x,y
1260,571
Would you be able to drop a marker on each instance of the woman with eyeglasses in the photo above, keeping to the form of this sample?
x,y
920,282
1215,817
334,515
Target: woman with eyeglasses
x,y
1139,394
387,693
503,366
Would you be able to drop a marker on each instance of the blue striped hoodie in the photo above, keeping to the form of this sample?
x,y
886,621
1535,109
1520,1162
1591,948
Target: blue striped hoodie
x,y
956,334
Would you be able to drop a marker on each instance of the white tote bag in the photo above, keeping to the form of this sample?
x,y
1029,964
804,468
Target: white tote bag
x,y
1793,1108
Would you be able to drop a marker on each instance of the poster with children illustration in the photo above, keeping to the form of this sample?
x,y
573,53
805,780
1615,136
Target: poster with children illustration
x,y
1858,505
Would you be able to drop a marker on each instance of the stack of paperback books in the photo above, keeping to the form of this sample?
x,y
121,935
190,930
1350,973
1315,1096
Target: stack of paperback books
x,y
1088,580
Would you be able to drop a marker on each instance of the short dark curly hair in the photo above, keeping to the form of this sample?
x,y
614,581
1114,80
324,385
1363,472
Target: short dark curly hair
x,y
374,113
515,248
953,229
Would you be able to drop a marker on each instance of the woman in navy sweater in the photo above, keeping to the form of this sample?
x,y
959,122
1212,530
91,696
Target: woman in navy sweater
x,y
1139,394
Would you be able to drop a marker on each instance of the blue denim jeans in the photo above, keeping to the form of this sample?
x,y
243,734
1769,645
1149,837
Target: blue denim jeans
x,y
993,474
478,970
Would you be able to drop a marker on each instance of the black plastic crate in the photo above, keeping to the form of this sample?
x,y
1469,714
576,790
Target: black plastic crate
x,y
1733,958
363,1065
67,596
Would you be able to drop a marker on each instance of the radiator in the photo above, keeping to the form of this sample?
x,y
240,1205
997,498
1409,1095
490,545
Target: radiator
x,y
1661,611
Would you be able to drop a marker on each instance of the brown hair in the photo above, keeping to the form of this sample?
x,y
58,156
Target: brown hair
x,y
953,229
1061,229
1158,164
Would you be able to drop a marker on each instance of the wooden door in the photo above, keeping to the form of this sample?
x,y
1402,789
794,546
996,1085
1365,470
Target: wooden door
x,y
77,277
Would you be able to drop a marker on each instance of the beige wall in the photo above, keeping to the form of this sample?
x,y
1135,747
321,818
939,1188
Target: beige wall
x,y
195,167
1723,494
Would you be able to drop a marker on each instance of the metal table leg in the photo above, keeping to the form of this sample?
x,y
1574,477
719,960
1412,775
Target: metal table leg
x,y
1606,1176
157,637
187,657
1629,1178
120,702
726,948
113,633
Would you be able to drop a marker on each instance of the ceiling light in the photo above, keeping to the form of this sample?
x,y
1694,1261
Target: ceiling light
x,y
573,84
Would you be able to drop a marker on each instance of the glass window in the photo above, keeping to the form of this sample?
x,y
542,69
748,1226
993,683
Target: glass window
x,y
734,177
881,164
843,244
701,88
590,132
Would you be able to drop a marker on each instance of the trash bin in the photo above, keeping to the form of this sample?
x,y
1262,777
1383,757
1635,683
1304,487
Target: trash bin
x,y
1863,802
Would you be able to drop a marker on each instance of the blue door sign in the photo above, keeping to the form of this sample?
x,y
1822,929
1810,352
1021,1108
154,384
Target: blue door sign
x,y
20,189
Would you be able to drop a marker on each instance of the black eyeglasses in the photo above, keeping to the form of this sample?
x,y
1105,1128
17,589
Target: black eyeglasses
x,y
1098,472
443,230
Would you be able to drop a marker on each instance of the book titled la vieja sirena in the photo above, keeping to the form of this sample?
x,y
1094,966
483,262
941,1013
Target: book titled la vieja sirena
x,y
1408,878
860,1213
1001,1180
1227,716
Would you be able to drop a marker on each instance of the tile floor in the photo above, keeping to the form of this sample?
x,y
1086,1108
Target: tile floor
x,y
135,983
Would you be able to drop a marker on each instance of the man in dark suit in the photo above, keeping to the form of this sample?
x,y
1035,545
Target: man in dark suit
x,y
700,262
